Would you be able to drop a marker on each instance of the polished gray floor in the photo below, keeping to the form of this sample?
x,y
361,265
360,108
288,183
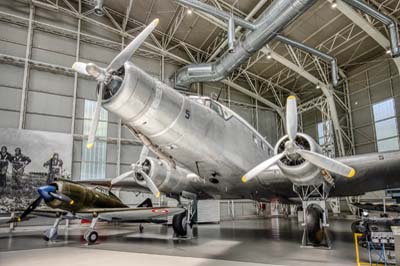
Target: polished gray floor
x,y
269,241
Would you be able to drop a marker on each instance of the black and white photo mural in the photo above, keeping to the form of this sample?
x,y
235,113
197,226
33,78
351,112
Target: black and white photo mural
x,y
29,159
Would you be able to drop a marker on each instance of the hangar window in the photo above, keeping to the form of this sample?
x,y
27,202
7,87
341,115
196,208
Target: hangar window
x,y
386,131
94,160
325,132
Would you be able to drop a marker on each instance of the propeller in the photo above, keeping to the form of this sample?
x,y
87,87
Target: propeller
x,y
28,210
291,147
47,193
104,75
138,168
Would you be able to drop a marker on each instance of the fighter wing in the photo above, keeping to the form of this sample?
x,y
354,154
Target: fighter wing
x,y
129,214
128,184
48,212
374,171
115,214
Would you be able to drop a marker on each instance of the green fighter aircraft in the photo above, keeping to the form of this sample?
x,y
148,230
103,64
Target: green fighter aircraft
x,y
70,200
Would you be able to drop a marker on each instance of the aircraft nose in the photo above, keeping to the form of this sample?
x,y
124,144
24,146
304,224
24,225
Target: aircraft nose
x,y
44,192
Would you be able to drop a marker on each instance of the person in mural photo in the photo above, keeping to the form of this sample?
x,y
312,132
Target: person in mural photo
x,y
55,166
19,162
5,158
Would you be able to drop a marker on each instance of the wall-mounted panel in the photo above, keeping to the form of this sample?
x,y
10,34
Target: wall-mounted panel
x,y
95,53
12,49
362,116
11,76
10,98
54,43
52,58
9,119
47,82
130,153
48,123
48,104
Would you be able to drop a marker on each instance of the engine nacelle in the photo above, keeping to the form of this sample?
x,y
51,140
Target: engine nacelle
x,y
298,170
167,178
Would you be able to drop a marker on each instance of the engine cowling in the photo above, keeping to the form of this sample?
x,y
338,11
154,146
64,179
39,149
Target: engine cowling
x,y
299,170
165,177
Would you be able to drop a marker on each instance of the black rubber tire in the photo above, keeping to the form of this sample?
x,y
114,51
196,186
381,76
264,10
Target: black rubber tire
x,y
92,237
178,224
315,233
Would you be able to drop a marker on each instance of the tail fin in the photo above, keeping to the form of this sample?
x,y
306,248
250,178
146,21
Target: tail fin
x,y
146,203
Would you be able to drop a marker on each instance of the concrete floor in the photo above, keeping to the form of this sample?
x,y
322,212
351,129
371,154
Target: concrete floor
x,y
270,241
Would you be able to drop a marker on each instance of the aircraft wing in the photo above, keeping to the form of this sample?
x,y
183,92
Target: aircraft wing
x,y
116,214
128,184
374,171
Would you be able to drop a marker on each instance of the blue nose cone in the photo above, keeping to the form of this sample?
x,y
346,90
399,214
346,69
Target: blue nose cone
x,y
44,192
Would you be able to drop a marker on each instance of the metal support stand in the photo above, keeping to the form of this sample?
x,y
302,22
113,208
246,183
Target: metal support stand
x,y
334,203
12,225
315,196
52,233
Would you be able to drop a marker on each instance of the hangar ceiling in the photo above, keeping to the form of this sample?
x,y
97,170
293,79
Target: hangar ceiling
x,y
322,27
197,37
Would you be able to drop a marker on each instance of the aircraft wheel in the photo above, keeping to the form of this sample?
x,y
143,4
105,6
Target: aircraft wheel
x,y
91,237
179,224
315,232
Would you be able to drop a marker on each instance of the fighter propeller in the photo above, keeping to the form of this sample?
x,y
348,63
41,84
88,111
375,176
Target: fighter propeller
x,y
104,75
292,148
48,193
138,169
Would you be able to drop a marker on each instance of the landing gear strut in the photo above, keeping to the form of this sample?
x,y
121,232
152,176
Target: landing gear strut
x,y
183,223
91,234
313,198
52,233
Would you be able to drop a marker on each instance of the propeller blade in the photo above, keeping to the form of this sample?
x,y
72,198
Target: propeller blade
x,y
95,120
261,167
129,50
121,177
150,184
80,68
327,163
62,197
95,71
143,154
291,117
29,209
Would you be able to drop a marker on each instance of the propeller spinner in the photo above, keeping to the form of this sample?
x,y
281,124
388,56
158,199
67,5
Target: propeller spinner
x,y
103,75
291,148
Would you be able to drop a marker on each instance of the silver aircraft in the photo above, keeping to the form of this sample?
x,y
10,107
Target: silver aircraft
x,y
206,150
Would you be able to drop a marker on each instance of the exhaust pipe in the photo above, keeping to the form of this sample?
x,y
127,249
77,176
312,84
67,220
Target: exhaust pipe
x,y
388,21
324,56
273,20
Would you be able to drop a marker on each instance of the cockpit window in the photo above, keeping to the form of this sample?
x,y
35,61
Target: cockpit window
x,y
215,106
